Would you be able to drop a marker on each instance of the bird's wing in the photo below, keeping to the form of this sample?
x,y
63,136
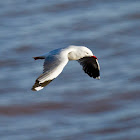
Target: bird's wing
x,y
90,66
53,66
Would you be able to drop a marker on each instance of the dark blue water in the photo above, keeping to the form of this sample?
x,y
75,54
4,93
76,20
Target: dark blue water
x,y
74,106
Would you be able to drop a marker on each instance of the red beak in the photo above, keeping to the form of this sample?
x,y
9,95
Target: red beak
x,y
94,57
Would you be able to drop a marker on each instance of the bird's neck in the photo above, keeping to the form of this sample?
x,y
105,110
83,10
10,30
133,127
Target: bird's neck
x,y
72,53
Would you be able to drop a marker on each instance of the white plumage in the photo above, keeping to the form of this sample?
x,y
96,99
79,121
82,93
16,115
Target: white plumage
x,y
56,60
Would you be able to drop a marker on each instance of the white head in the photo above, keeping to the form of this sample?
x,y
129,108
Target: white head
x,y
78,52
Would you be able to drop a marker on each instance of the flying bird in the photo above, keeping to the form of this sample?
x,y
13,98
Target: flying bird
x,y
56,60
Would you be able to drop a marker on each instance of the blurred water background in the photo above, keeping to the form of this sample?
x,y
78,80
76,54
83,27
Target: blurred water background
x,y
74,106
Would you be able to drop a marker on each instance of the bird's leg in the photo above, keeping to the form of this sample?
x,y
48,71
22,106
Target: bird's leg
x,y
38,57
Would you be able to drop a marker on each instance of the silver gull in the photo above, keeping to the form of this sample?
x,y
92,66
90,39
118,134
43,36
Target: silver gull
x,y
56,60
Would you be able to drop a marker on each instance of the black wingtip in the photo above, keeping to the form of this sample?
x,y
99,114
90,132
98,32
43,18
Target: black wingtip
x,y
38,86
33,89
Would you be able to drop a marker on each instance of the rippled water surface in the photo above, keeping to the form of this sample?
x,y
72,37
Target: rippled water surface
x,y
74,106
